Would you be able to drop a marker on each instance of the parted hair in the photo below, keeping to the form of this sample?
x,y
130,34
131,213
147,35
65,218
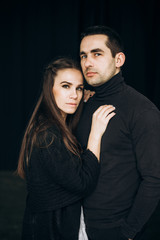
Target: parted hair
x,y
46,113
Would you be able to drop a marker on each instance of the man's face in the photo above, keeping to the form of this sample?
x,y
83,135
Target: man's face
x,y
97,63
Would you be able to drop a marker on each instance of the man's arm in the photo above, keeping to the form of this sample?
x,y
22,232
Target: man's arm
x,y
146,142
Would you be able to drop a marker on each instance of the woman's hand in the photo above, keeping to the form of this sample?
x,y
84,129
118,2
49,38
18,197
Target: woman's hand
x,y
100,121
88,94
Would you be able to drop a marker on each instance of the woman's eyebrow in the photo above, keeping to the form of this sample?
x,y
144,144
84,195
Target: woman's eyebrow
x,y
66,82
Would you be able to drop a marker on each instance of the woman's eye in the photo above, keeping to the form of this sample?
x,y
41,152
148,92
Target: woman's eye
x,y
80,88
65,86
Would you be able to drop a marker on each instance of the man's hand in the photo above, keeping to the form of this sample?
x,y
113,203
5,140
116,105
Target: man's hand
x,y
88,94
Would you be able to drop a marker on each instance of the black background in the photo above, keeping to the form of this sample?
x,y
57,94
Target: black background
x,y
33,33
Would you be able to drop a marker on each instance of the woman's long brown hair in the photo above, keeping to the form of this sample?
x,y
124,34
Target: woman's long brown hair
x,y
46,113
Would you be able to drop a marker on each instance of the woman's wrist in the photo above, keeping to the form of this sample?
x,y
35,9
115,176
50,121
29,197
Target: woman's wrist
x,y
94,144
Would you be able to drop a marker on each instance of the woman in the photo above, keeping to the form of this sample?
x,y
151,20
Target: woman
x,y
57,173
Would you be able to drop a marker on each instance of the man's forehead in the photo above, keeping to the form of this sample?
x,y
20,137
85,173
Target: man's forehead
x,y
91,42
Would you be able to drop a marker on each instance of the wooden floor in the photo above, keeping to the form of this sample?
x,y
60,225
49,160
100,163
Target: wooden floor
x,y
12,203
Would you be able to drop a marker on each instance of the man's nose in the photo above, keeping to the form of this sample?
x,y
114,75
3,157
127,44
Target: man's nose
x,y
88,62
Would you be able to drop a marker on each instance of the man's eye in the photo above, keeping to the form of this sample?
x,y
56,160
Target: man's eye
x,y
97,54
83,56
65,86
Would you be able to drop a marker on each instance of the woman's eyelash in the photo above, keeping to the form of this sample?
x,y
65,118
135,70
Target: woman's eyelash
x,y
80,88
65,86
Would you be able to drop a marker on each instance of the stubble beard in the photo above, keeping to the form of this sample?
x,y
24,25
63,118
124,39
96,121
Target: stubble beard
x,y
95,82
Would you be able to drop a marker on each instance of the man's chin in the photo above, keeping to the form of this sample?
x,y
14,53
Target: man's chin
x,y
93,82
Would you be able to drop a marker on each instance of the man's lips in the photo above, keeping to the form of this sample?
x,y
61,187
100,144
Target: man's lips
x,y
90,74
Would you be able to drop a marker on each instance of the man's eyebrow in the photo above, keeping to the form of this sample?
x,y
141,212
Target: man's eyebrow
x,y
96,50
93,51
81,53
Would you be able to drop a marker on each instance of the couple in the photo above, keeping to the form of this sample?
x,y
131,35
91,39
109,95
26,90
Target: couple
x,y
113,173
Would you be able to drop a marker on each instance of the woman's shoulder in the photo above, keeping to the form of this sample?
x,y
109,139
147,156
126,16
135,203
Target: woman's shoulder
x,y
48,136
53,130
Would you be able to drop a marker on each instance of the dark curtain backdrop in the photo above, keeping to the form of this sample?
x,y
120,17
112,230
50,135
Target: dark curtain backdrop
x,y
33,33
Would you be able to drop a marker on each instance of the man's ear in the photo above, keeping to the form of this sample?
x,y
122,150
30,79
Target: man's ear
x,y
120,59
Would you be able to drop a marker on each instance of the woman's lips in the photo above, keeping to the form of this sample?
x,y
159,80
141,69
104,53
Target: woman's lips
x,y
72,104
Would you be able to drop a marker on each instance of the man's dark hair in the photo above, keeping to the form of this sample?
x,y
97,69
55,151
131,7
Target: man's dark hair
x,y
114,42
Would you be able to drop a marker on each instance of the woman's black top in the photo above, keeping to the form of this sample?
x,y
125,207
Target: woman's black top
x,y
56,182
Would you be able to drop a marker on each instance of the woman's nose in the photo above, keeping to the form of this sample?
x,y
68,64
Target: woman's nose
x,y
73,94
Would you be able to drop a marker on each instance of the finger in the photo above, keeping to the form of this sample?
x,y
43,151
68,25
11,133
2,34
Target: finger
x,y
107,111
86,97
88,94
92,93
109,116
98,110
104,110
101,108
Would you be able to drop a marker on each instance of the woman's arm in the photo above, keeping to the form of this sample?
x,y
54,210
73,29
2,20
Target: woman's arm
x,y
75,175
100,121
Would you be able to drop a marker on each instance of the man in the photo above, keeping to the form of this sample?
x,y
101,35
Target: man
x,y
128,189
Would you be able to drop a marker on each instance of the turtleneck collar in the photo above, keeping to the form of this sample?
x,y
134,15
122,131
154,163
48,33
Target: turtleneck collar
x,y
113,86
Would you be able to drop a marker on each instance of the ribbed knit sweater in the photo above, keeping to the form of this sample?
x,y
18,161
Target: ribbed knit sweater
x,y
56,179
128,188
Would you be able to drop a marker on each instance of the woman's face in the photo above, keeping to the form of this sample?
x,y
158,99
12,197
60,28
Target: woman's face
x,y
68,90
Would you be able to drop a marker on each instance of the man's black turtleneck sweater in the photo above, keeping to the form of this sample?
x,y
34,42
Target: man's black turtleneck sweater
x,y
128,189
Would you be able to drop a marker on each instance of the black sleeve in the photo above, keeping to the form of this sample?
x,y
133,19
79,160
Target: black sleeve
x,y
73,174
146,140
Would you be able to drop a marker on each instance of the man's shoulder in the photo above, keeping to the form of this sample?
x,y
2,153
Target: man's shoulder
x,y
137,99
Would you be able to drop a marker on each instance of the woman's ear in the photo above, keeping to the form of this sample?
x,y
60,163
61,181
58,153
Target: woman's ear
x,y
120,59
